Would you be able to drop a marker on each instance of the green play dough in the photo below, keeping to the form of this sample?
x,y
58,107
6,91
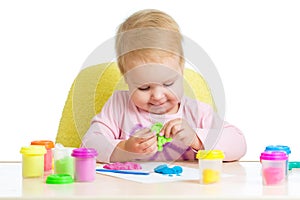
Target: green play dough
x,y
161,140
64,166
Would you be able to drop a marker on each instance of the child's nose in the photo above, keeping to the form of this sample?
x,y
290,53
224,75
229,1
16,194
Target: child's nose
x,y
157,92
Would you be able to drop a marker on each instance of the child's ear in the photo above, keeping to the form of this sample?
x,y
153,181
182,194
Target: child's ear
x,y
125,79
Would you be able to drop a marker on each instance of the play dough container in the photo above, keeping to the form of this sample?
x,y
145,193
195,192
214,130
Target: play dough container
x,y
63,161
85,164
273,167
48,156
284,148
210,165
33,161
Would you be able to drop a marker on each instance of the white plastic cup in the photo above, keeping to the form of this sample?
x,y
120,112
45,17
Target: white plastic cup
x,y
63,161
210,165
273,167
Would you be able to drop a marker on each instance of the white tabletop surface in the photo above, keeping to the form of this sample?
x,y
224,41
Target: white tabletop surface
x,y
243,182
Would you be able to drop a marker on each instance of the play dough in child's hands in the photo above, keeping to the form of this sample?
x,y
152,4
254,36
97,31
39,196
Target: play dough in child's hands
x,y
161,140
157,127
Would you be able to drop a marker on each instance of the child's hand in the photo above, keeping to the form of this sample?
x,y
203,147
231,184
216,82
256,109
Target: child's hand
x,y
143,141
179,129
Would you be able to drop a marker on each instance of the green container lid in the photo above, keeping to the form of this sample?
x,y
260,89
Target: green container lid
x,y
294,164
59,179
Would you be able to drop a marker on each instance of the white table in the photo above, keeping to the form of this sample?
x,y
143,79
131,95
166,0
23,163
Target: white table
x,y
244,182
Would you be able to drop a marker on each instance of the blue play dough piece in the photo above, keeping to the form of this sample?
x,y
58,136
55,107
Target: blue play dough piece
x,y
160,168
164,169
177,169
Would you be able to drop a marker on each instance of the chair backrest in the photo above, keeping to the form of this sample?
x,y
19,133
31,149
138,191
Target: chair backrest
x,y
91,89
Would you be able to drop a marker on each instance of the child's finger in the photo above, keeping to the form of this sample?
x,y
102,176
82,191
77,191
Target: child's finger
x,y
169,126
143,135
166,130
149,145
139,133
176,129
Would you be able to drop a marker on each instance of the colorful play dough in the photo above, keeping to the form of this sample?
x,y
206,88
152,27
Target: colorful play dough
x,y
161,140
164,169
63,161
123,166
64,166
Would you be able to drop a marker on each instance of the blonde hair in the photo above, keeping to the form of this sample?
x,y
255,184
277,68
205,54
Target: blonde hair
x,y
148,32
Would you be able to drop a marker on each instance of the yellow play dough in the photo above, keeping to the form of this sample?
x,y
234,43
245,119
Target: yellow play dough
x,y
210,176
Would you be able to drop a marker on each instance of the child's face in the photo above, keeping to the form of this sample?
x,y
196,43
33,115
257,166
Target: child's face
x,y
155,87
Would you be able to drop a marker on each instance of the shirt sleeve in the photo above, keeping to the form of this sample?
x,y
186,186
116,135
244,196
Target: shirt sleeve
x,y
232,142
103,134
216,133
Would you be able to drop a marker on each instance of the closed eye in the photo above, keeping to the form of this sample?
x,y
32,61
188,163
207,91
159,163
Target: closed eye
x,y
144,88
168,84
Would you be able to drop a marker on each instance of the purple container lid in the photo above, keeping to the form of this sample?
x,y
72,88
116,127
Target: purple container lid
x,y
84,153
273,155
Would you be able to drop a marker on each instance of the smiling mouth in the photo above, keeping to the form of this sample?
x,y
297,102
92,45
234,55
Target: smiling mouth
x,y
157,104
157,109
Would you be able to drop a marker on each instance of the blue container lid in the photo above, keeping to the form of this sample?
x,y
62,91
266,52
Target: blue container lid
x,y
286,149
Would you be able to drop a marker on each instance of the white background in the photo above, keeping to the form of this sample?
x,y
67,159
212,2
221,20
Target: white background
x,y
255,46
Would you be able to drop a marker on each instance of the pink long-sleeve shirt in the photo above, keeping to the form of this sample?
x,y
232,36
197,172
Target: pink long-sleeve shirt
x,y
119,118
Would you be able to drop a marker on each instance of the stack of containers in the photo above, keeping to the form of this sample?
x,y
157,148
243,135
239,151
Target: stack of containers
x,y
48,144
79,163
70,164
282,148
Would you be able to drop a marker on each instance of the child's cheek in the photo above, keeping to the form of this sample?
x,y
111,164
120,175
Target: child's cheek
x,y
177,89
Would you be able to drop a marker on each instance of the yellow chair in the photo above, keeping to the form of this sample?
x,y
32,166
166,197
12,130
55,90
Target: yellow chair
x,y
91,89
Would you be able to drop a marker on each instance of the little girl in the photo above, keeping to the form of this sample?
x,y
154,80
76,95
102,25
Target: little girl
x,y
150,57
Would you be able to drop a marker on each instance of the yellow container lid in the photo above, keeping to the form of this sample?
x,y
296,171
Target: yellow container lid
x,y
210,154
33,150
